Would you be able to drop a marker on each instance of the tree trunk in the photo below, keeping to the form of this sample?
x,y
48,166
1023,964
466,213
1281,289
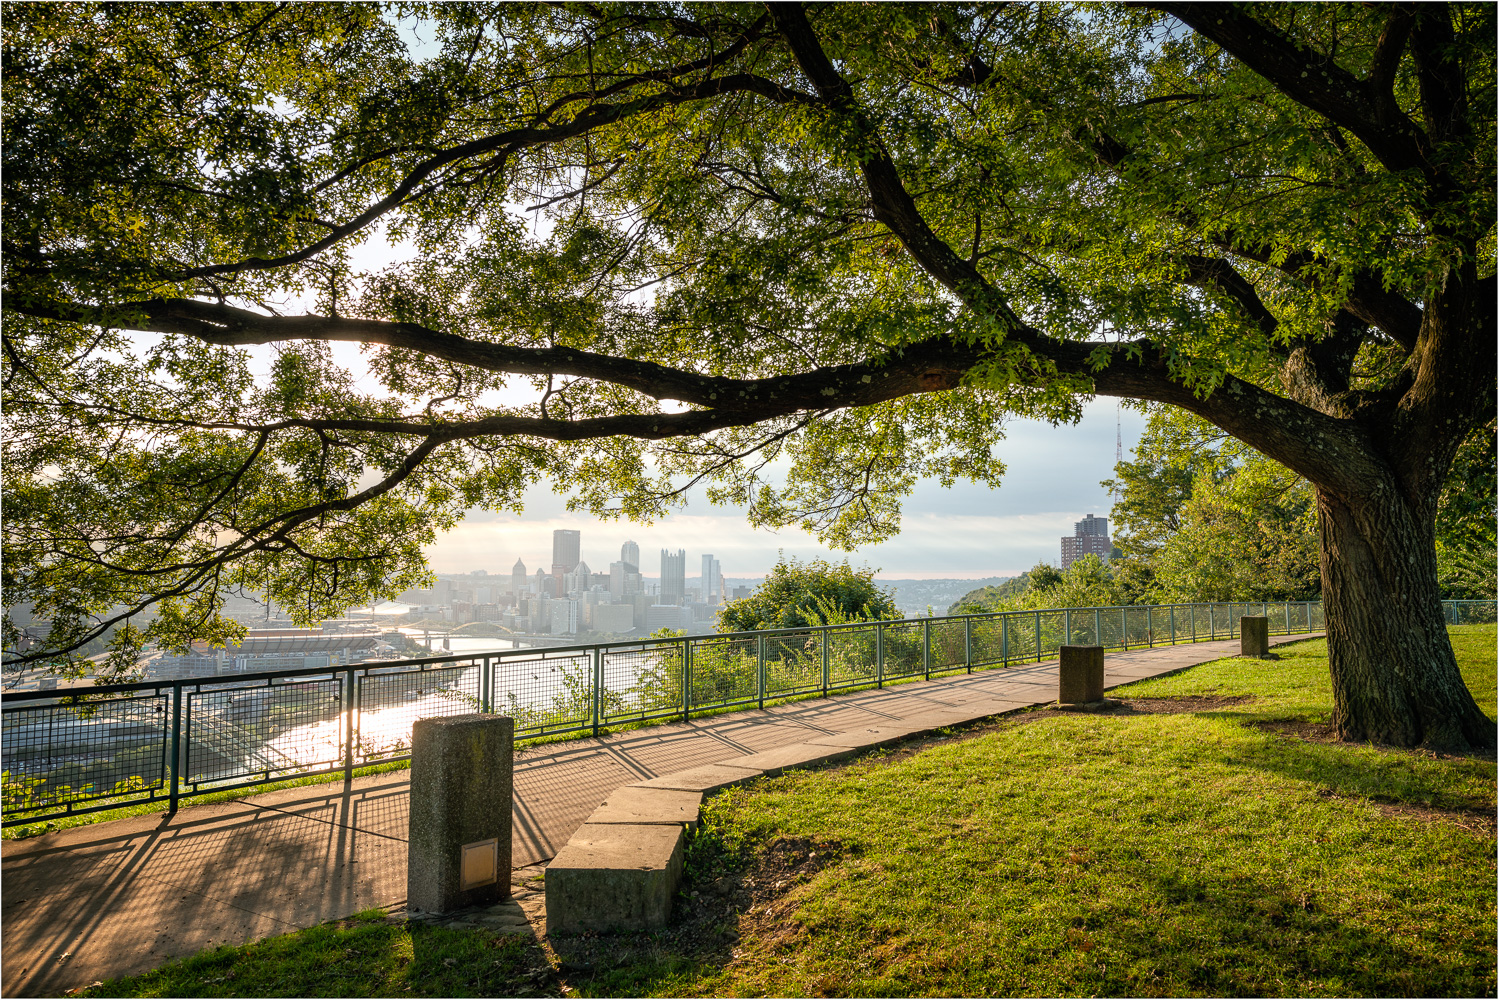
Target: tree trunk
x,y
1394,676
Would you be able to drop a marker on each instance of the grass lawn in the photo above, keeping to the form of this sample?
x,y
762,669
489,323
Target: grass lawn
x,y
1207,840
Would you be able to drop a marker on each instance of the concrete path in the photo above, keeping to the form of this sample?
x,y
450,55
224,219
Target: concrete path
x,y
124,896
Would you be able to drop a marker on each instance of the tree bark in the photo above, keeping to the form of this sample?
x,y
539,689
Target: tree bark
x,y
1394,675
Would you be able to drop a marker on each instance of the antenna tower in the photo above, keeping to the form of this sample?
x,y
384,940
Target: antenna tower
x,y
1118,443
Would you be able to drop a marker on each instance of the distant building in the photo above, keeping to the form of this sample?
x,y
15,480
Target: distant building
x,y
565,615
566,549
1090,536
629,554
613,617
673,576
518,578
668,616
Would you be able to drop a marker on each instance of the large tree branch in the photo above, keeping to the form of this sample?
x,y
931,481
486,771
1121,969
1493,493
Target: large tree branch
x,y
1312,80
924,367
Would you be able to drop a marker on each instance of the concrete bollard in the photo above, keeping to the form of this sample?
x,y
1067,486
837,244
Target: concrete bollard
x,y
1081,675
1254,636
462,775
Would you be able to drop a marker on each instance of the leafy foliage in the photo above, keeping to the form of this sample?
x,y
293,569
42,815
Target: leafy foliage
x,y
797,594
1203,517
1088,583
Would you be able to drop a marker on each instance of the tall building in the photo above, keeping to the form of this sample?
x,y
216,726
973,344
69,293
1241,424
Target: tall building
x,y
518,578
708,588
673,577
566,548
1090,536
629,554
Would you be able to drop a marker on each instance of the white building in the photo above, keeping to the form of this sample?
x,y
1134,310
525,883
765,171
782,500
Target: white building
x,y
668,616
613,617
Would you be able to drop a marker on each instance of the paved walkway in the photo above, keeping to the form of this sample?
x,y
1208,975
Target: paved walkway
x,y
124,896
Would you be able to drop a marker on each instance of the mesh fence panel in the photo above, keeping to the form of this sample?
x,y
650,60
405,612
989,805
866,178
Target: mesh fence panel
x,y
988,640
642,682
904,650
725,671
1053,632
793,663
390,702
949,640
266,731
57,755
851,655
1024,638
1084,630
1469,612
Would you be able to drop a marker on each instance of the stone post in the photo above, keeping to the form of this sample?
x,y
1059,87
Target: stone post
x,y
1254,636
458,853
1081,675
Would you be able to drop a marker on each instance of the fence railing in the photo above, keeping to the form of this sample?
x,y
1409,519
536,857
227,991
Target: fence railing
x,y
77,751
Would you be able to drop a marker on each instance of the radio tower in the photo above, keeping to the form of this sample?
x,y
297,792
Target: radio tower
x,y
1118,443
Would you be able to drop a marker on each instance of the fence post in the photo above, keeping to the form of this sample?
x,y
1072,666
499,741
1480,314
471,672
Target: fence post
x,y
968,643
1004,638
176,745
598,688
349,728
1173,624
1149,627
823,642
1068,626
879,656
1038,637
1098,626
486,688
686,678
926,647
760,666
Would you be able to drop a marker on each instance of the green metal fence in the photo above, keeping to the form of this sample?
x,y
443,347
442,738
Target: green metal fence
x,y
103,747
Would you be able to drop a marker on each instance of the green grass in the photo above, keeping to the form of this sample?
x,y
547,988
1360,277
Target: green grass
x,y
1201,853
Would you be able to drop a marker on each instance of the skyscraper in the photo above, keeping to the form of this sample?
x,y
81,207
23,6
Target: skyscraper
x,y
708,588
518,578
673,577
566,548
629,554
1090,536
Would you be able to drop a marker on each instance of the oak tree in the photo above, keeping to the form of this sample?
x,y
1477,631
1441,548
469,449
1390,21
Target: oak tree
x,y
715,240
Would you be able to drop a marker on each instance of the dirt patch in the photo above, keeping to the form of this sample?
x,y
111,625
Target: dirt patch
x,y
1174,706
1477,818
1480,821
1297,729
1321,732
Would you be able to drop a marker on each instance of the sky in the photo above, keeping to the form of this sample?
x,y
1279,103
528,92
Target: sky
x,y
968,532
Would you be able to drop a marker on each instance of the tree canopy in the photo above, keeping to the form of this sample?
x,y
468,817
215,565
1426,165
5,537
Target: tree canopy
x,y
1203,517
797,594
711,242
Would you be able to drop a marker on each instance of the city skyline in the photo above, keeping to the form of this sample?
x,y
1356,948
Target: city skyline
x,y
968,532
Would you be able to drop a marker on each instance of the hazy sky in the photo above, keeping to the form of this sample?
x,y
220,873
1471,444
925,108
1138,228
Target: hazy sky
x,y
1051,480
